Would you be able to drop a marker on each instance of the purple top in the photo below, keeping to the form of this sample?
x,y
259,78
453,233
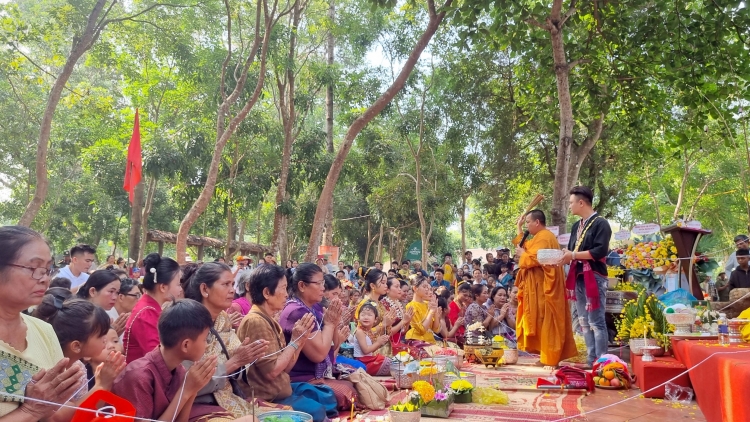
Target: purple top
x,y
305,369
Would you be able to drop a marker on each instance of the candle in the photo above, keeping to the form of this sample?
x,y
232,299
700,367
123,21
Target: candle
x,y
351,417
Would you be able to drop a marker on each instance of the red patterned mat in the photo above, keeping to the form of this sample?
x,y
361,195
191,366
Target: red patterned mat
x,y
524,406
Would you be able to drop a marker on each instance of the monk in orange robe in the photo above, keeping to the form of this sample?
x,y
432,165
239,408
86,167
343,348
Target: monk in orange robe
x,y
543,324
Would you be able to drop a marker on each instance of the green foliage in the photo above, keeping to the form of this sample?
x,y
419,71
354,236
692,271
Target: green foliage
x,y
670,79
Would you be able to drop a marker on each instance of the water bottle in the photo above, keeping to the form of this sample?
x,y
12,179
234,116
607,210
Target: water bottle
x,y
723,329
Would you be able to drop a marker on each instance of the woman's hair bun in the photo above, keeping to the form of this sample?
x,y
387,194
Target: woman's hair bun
x,y
151,260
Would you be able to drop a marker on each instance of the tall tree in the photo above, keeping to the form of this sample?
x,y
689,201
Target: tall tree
x,y
266,17
435,18
85,31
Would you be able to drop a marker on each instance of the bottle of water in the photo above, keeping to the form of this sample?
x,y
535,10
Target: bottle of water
x,y
723,329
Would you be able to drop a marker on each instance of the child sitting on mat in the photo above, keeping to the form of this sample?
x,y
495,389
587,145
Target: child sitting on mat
x,y
364,346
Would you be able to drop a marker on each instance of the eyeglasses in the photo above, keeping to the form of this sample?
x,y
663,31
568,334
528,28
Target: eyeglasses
x,y
37,273
315,282
135,295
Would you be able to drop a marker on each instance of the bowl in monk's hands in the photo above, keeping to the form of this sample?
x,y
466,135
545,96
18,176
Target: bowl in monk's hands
x,y
549,256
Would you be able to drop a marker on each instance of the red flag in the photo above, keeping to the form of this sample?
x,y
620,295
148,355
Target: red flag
x,y
134,164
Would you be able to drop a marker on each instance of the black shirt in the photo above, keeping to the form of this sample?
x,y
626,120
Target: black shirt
x,y
739,278
595,241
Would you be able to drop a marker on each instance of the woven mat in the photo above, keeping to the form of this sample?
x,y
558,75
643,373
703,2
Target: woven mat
x,y
526,402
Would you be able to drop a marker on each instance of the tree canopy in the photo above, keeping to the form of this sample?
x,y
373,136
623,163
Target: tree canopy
x,y
447,118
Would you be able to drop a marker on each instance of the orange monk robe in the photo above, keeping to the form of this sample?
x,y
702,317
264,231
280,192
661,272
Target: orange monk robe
x,y
543,323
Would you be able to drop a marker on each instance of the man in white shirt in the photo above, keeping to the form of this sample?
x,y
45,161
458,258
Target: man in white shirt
x,y
741,241
81,258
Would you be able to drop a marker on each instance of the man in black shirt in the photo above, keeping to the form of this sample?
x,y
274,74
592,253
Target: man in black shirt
x,y
587,277
741,275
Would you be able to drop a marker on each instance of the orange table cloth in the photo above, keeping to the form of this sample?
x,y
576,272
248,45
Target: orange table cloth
x,y
721,383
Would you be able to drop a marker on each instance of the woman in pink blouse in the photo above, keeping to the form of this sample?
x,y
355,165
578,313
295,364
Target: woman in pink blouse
x,y
161,283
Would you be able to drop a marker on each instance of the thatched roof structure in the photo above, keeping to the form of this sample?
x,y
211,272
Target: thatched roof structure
x,y
160,236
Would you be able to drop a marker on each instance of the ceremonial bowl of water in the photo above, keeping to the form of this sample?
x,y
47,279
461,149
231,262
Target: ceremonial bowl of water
x,y
549,256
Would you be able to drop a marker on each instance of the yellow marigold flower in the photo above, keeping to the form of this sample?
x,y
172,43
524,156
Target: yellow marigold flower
x,y
425,390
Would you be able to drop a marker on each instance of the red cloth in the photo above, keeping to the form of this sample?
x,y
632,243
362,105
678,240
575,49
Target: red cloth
x,y
141,334
372,363
151,386
662,369
721,383
453,313
134,165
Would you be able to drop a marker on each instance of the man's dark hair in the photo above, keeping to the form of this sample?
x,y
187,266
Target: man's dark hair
x,y
584,193
538,215
440,270
60,282
740,238
183,319
81,249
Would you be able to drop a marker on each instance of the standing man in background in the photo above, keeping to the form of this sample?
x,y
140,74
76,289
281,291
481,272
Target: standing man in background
x,y
741,241
81,258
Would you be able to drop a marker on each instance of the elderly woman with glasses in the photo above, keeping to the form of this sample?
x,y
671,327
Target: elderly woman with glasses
x,y
316,363
269,376
30,347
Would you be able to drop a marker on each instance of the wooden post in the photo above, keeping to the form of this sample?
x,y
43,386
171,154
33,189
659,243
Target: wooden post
x,y
161,248
685,240
200,253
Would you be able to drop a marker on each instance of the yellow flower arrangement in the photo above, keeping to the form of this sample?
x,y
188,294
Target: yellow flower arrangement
x,y
613,272
425,390
644,318
650,255
627,286
428,371
461,386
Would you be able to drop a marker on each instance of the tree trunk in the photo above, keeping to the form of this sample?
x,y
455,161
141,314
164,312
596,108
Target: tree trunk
x,y
560,192
579,153
288,114
326,196
330,46
241,236
146,212
379,252
369,242
136,214
463,222
260,210
223,135
228,251
81,44
328,230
